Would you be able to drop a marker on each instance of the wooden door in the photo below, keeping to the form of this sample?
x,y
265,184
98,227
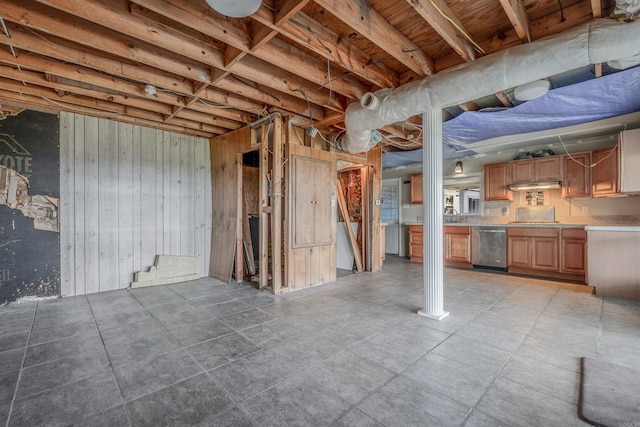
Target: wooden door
x,y
576,179
604,175
519,255
312,192
496,185
573,251
544,253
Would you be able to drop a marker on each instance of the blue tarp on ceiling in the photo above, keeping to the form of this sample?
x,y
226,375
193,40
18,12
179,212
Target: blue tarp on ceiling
x,y
608,96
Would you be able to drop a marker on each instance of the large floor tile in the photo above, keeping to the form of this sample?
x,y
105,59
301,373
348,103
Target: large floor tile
x,y
517,405
355,418
403,402
142,378
483,356
66,404
199,332
38,378
219,351
246,319
195,401
14,340
66,347
459,381
58,331
112,417
8,382
269,334
10,360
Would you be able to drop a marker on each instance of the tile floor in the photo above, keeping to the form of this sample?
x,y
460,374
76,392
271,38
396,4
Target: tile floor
x,y
349,353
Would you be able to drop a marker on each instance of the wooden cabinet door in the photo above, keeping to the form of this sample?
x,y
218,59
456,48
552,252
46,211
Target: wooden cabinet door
x,y
604,175
416,188
312,214
548,168
522,171
457,248
496,185
576,177
519,254
415,243
544,254
573,256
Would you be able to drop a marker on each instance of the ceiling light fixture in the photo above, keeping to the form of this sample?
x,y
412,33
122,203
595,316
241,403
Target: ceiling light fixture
x,y
235,8
458,168
531,90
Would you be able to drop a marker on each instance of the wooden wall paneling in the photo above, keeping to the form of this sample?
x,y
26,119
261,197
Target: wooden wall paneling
x,y
67,206
187,197
202,203
78,253
125,203
276,203
224,178
264,207
91,207
159,201
174,194
137,202
239,229
115,180
374,158
166,190
251,188
108,204
147,196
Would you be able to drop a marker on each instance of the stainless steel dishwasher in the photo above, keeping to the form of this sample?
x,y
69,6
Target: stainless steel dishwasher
x,y
489,247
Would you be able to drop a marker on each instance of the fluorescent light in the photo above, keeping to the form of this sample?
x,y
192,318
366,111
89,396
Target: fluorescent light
x,y
235,8
531,90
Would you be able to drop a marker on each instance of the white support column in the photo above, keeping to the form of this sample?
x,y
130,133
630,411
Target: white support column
x,y
432,236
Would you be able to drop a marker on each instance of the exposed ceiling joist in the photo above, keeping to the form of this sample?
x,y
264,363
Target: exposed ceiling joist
x,y
518,16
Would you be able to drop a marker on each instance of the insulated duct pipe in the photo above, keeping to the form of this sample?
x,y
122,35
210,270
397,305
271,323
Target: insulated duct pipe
x,y
598,41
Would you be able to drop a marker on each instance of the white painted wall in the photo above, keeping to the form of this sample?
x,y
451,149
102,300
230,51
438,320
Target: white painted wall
x,y
127,194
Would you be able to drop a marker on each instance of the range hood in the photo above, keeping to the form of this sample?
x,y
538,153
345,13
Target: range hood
x,y
535,186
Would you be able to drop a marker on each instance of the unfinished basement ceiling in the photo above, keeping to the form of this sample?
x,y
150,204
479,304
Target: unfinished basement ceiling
x,y
181,66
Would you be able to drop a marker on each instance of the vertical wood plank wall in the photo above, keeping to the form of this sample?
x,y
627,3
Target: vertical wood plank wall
x,y
127,194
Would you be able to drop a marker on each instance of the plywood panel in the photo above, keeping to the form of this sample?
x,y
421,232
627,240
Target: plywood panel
x,y
118,178
125,202
224,181
67,206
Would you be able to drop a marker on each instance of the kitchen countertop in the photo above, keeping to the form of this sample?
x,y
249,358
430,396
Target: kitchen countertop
x,y
511,224
612,228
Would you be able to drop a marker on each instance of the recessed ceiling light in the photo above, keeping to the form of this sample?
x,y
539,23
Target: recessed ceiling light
x,y
235,8
531,90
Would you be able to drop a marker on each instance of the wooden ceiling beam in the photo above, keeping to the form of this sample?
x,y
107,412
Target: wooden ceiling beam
x,y
311,34
519,19
274,54
360,16
169,39
285,9
442,19
79,103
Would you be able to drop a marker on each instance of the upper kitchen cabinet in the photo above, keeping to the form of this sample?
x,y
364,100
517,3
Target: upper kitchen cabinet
x,y
576,181
604,174
496,181
416,188
629,161
539,169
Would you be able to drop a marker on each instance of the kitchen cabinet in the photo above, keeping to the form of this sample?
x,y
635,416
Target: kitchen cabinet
x,y
629,143
457,246
573,251
415,243
547,252
576,180
539,169
416,188
604,175
496,181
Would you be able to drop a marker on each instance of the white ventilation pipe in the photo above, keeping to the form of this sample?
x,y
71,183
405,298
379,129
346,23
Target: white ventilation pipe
x,y
598,41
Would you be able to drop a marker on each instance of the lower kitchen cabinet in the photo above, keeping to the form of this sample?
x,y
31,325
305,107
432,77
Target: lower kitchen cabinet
x,y
573,251
415,243
547,252
457,246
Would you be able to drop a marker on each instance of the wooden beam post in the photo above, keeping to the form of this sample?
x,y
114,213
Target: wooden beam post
x,y
276,203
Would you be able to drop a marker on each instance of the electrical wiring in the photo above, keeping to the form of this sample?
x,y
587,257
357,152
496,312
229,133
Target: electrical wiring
x,y
613,149
464,33
80,110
